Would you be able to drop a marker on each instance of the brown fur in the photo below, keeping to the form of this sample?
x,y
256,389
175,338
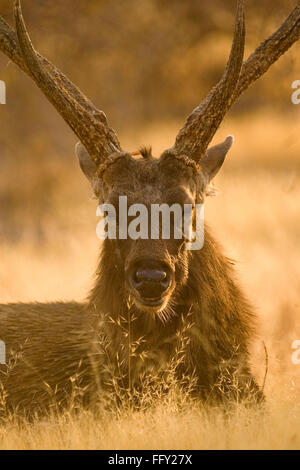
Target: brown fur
x,y
51,345
120,335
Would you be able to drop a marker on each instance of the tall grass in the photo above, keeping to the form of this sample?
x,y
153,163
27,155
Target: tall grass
x,y
255,215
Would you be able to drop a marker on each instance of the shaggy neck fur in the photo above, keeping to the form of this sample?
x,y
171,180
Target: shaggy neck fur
x,y
209,308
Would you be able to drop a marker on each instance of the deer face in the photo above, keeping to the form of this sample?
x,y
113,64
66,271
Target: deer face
x,y
155,269
155,263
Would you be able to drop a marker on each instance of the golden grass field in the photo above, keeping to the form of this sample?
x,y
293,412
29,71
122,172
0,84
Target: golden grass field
x,y
255,216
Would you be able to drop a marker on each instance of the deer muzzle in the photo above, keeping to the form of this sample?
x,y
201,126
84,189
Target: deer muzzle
x,y
150,282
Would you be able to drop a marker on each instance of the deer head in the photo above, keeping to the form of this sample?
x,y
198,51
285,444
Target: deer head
x,y
154,270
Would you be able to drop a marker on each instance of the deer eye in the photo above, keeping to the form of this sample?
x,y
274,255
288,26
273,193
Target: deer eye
x,y
181,197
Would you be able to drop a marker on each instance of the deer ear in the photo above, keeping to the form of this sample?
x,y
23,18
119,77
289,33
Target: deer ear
x,y
214,158
87,165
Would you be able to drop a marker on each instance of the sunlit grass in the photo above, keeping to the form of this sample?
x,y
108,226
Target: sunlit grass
x,y
255,216
161,427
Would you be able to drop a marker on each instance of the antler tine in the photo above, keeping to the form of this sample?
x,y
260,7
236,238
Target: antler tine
x,y
9,45
269,52
203,122
88,123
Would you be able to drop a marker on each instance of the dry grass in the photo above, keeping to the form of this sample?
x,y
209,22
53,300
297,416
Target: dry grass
x,y
161,428
256,218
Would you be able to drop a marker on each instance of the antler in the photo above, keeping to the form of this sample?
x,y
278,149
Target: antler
x,y
202,124
88,122
204,121
269,52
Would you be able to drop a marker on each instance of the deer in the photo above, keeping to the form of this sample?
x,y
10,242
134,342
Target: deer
x,y
152,292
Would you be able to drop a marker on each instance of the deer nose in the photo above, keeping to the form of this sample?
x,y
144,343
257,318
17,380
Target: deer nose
x,y
150,283
150,275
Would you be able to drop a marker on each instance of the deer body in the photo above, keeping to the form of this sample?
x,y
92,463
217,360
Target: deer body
x,y
46,348
55,348
149,294
209,311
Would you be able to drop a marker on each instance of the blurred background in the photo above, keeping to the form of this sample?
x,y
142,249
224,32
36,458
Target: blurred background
x,y
147,64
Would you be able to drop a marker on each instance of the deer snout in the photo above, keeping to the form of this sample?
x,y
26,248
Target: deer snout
x,y
150,282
